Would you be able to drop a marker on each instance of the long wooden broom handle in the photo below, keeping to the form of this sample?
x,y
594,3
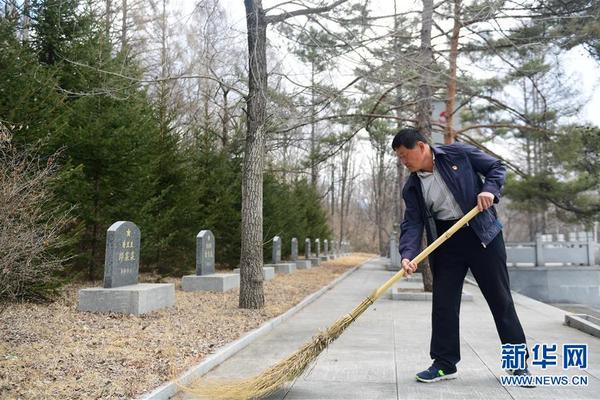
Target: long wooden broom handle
x,y
428,250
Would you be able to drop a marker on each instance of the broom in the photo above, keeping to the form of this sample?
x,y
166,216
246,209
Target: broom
x,y
294,365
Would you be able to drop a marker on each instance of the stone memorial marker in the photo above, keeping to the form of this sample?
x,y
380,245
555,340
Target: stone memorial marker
x,y
206,279
205,253
294,254
276,250
314,261
317,248
277,265
300,264
121,262
307,254
121,292
394,253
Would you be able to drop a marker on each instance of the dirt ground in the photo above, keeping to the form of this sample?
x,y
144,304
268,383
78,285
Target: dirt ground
x,y
53,351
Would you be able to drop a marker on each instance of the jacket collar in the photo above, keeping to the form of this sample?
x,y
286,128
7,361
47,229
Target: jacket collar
x,y
437,150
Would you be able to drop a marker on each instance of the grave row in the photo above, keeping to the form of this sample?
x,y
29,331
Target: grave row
x,y
121,292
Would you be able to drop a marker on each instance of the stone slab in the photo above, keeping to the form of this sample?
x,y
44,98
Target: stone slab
x,y
139,299
268,272
324,258
283,268
220,282
415,277
583,322
303,264
315,261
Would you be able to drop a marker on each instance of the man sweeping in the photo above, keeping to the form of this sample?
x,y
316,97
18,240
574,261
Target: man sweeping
x,y
445,183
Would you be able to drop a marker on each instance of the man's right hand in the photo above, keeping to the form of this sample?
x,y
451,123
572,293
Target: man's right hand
x,y
408,266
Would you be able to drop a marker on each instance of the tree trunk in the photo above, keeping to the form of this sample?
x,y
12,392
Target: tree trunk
x,y
449,135
124,27
332,193
314,173
424,102
343,190
251,258
26,21
399,181
225,120
380,201
108,17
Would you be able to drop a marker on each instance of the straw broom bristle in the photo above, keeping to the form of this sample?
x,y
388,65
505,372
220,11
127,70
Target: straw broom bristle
x,y
284,371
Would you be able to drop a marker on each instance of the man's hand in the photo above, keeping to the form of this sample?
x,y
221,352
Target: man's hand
x,y
408,266
484,200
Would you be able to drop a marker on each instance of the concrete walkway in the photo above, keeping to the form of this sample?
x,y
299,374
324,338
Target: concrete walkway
x,y
378,355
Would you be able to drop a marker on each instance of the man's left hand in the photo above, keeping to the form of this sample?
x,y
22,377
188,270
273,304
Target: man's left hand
x,y
484,200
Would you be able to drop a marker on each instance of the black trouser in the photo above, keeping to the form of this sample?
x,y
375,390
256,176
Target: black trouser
x,y
451,260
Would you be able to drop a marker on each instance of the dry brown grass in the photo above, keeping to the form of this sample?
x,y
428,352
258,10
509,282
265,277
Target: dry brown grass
x,y
54,351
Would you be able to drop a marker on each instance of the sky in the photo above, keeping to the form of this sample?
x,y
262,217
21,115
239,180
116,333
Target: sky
x,y
577,63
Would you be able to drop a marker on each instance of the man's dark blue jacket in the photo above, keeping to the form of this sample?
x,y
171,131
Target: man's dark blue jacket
x,y
462,167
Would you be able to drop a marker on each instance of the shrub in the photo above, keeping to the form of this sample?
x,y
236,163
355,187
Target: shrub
x,y
30,225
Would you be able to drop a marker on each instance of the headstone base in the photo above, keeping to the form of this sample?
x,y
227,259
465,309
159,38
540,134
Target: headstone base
x,y
324,258
210,283
282,268
268,272
302,264
137,299
315,261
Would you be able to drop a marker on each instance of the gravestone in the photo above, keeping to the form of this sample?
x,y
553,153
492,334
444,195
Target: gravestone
x,y
394,264
300,264
277,265
121,261
206,279
326,253
322,255
276,250
121,292
307,253
332,254
205,253
317,248
294,254
314,261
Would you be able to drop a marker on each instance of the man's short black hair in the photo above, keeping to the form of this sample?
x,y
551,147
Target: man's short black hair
x,y
408,137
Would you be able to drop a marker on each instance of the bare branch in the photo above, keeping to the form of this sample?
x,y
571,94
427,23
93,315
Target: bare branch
x,y
307,11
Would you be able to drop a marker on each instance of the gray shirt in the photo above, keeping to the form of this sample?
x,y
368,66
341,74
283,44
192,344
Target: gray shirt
x,y
437,196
